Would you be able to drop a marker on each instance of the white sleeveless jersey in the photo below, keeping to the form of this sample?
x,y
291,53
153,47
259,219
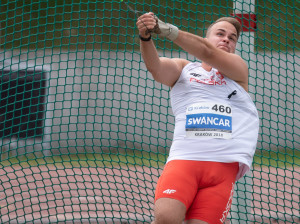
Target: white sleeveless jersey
x,y
215,119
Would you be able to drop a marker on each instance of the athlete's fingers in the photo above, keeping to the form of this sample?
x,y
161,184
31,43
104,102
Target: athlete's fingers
x,y
146,23
147,15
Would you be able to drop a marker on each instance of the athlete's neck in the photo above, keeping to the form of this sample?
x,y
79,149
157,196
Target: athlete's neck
x,y
206,67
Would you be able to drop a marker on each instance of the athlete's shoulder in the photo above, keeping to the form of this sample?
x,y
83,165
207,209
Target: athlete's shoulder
x,y
181,62
192,65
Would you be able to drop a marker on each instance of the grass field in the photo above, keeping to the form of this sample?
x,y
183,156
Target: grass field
x,y
282,159
91,160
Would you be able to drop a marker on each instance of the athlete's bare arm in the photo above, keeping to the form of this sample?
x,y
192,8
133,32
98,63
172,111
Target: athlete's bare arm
x,y
167,71
163,70
229,64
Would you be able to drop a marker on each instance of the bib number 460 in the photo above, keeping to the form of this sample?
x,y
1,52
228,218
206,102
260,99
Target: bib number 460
x,y
221,109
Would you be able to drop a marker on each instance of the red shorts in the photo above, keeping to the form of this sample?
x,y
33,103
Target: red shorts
x,y
206,188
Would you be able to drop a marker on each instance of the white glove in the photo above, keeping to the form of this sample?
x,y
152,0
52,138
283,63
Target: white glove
x,y
165,30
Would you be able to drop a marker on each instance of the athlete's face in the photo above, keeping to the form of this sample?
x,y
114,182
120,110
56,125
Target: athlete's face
x,y
223,35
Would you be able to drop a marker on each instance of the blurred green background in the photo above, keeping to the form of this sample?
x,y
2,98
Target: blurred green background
x,y
91,24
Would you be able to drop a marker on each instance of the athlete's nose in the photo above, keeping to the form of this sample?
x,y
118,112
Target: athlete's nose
x,y
226,39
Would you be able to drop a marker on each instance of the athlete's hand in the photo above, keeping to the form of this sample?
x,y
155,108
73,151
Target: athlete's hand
x,y
149,23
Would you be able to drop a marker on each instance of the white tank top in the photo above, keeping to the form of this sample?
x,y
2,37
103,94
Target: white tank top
x,y
215,119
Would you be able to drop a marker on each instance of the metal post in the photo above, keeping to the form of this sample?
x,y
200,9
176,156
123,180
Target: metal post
x,y
242,204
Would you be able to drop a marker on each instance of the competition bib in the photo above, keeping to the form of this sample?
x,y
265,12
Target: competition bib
x,y
208,120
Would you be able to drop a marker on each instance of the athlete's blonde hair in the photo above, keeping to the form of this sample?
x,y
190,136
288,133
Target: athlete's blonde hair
x,y
230,20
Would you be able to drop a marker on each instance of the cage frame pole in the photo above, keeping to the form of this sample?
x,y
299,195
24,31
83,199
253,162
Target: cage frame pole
x,y
244,11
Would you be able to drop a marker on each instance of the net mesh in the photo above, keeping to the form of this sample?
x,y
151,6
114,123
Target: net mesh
x,y
85,130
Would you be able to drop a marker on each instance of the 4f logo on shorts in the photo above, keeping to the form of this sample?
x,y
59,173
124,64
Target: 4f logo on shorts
x,y
169,191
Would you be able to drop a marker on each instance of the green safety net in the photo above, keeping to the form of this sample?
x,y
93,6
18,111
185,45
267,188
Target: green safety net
x,y
85,130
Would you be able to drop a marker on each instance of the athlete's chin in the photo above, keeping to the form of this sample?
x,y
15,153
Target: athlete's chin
x,y
225,49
